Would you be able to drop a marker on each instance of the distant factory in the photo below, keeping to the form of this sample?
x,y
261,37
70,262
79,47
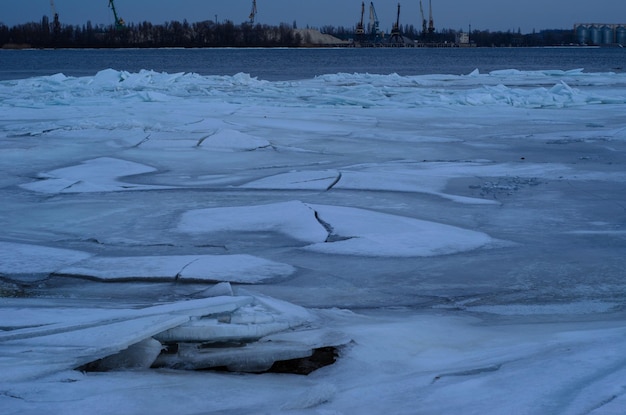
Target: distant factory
x,y
600,34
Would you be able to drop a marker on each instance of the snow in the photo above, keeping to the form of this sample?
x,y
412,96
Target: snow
x,y
458,238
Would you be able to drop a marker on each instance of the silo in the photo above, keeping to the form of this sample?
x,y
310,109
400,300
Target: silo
x,y
595,36
606,35
620,35
582,34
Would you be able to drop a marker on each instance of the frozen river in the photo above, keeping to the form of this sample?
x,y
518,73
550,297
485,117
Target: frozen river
x,y
466,233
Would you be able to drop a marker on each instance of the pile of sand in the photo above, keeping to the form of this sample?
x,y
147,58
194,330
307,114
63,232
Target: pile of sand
x,y
314,37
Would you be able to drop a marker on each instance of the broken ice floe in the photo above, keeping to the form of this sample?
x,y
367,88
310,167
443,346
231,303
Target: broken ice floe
x,y
97,175
294,219
250,333
419,177
233,140
242,268
261,333
338,230
17,260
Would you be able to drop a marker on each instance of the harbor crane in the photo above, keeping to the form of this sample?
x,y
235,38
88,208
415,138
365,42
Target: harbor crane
x,y
56,25
431,22
252,12
374,24
396,37
119,22
423,18
360,30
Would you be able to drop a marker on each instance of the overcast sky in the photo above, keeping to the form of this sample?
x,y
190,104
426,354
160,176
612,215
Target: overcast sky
x,y
494,15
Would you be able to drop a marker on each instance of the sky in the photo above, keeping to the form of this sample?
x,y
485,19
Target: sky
x,y
493,15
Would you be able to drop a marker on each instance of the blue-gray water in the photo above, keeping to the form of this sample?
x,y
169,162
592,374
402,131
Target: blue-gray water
x,y
291,64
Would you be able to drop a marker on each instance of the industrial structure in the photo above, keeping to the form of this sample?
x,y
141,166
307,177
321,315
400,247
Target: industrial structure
x,y
431,22
600,34
119,22
374,37
396,36
360,29
252,15
56,25
424,30
374,25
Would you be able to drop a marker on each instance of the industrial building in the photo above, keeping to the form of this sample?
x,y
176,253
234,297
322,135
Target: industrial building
x,y
600,33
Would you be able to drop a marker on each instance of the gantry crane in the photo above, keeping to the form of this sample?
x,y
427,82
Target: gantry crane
x,y
56,25
119,22
373,27
252,12
360,30
431,22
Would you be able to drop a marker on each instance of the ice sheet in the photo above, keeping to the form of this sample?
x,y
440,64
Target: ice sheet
x,y
377,193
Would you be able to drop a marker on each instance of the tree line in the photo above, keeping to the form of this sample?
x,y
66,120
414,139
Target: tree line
x,y
47,34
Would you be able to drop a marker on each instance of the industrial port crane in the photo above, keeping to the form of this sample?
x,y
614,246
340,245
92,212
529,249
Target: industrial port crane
x,y
423,18
374,29
252,12
119,22
396,37
431,22
360,30
56,25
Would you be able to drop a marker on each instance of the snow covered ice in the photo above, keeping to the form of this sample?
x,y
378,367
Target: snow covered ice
x,y
459,239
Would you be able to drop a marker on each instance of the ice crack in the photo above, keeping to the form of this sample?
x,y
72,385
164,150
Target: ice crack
x,y
469,372
331,237
330,186
326,225
143,141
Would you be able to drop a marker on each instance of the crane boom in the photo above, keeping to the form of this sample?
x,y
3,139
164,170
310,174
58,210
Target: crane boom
x,y
119,22
359,27
396,36
396,26
374,22
431,22
252,12
423,18
56,26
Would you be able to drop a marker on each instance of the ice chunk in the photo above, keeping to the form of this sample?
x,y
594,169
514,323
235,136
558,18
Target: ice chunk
x,y
47,324
363,232
250,322
18,258
140,355
243,268
214,331
129,268
294,219
230,268
97,175
340,230
253,357
27,358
